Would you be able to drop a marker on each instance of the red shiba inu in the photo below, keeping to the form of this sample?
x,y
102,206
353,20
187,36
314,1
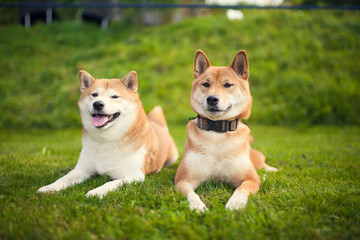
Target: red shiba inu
x,y
119,139
218,144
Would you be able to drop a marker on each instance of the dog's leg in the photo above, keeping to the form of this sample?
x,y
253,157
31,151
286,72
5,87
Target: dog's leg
x,y
188,190
73,177
239,199
258,161
270,168
257,158
112,186
173,154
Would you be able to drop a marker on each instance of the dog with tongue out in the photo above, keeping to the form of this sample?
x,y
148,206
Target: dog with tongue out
x,y
119,139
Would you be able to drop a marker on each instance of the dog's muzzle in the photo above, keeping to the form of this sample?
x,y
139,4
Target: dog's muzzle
x,y
212,101
101,120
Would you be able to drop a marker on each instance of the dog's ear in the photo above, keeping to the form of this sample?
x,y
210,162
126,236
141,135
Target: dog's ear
x,y
240,64
85,80
130,81
201,63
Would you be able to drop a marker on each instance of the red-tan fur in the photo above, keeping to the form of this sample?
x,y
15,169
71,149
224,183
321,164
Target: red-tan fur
x,y
150,130
220,156
126,148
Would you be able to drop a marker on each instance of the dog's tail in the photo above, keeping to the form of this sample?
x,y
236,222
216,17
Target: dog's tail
x,y
157,115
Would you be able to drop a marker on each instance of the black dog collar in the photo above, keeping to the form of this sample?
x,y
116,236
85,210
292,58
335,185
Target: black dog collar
x,y
220,126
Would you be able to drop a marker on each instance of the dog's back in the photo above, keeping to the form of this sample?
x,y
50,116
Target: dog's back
x,y
167,152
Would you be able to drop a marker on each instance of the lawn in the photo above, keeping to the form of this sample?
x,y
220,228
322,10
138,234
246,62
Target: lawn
x,y
304,79
315,195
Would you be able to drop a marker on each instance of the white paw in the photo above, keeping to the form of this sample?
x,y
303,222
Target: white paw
x,y
97,192
199,207
236,202
271,169
51,188
104,189
196,204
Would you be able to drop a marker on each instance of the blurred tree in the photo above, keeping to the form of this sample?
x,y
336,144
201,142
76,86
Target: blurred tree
x,y
8,15
323,2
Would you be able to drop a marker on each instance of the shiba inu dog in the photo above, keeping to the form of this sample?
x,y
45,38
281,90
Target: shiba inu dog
x,y
119,139
218,144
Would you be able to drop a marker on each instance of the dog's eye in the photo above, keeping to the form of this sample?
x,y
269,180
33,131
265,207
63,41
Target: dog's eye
x,y
227,85
114,96
206,84
94,94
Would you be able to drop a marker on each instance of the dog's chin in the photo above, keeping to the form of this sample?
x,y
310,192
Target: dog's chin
x,y
216,113
102,121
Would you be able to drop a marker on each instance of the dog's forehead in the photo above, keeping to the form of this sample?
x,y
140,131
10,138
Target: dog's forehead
x,y
217,77
106,85
218,73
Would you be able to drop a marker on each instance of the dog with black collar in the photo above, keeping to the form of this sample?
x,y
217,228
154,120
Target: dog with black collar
x,y
218,144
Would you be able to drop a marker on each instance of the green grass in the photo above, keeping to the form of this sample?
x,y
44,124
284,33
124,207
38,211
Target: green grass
x,y
304,70
304,66
315,195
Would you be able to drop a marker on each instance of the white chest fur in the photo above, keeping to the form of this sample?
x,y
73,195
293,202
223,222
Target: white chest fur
x,y
206,166
217,159
111,158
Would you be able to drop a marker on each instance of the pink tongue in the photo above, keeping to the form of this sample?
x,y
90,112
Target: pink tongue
x,y
99,120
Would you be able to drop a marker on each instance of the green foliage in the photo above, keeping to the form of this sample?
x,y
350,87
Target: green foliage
x,y
323,2
303,65
315,195
8,15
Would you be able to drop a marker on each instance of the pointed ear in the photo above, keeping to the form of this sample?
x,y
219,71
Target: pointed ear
x,y
201,63
85,80
130,81
240,65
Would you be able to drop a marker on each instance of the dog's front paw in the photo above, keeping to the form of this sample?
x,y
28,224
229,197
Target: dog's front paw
x,y
270,168
196,204
236,202
51,188
199,207
97,192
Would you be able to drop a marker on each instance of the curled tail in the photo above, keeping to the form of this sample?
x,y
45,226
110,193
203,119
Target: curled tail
x,y
157,115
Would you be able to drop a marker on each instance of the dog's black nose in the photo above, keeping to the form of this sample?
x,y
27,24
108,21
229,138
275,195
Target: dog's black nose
x,y
98,105
212,100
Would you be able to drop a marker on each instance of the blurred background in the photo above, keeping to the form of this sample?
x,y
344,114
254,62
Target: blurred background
x,y
304,61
